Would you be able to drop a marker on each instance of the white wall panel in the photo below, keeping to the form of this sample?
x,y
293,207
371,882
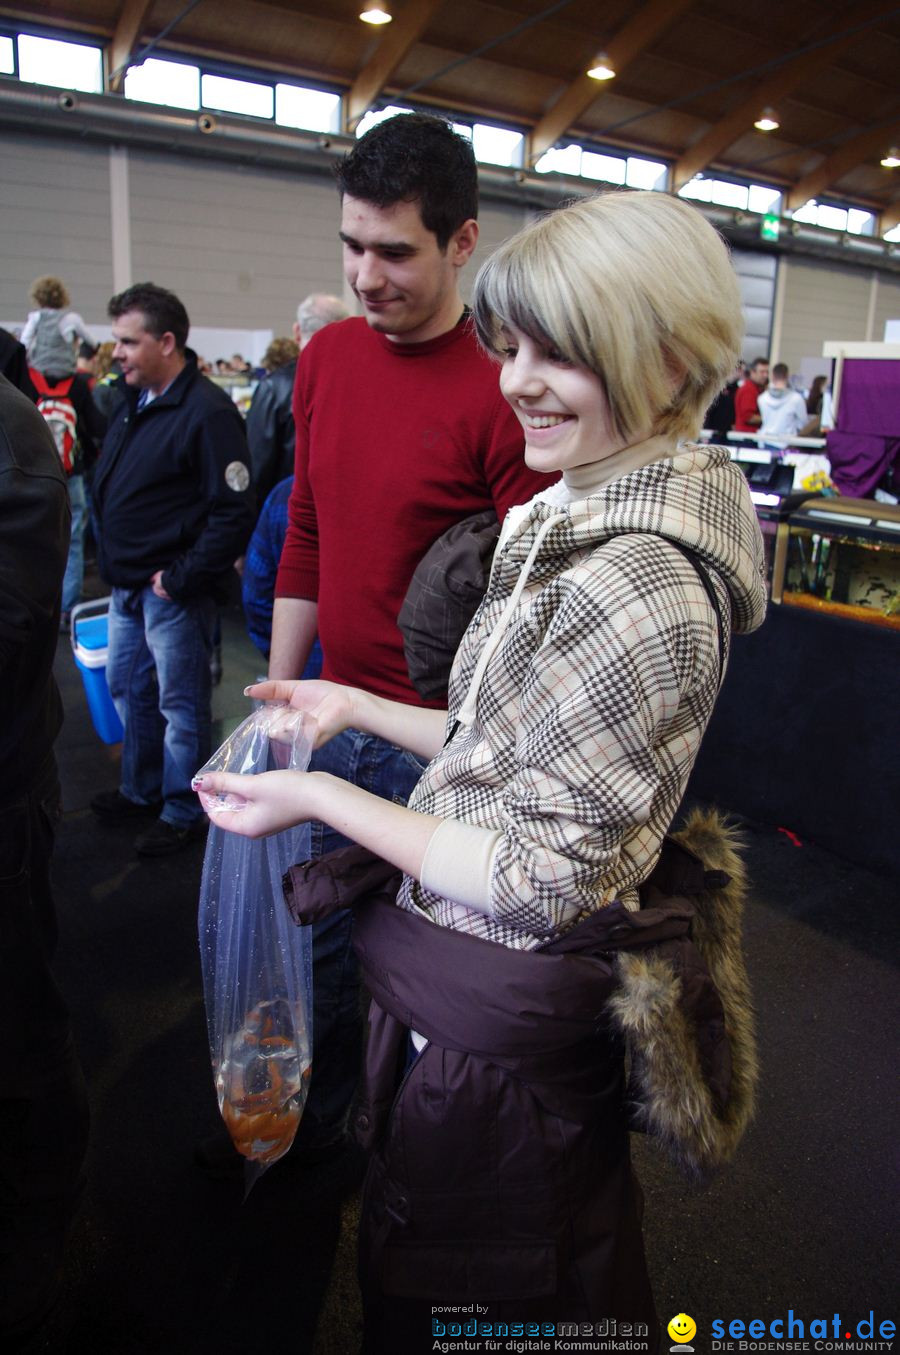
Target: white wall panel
x,y
54,218
821,302
240,246
887,306
497,221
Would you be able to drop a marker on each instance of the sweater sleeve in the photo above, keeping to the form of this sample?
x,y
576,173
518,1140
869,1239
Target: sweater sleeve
x,y
459,863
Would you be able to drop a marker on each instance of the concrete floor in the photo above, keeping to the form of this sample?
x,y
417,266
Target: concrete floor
x,y
165,1262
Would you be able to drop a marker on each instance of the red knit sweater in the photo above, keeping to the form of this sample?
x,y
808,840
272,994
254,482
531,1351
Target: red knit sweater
x,y
395,443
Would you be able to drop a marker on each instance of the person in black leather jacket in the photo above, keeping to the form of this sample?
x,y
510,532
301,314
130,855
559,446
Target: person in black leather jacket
x,y
270,419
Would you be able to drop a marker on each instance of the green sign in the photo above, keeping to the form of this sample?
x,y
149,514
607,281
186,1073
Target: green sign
x,y
769,226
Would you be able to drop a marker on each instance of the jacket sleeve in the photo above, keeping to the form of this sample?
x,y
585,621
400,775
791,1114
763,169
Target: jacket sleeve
x,y
221,462
263,438
298,572
610,718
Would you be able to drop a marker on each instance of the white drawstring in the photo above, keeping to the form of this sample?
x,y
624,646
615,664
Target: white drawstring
x,y
467,710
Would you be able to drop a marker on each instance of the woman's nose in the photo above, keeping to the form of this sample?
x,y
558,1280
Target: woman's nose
x,y
521,376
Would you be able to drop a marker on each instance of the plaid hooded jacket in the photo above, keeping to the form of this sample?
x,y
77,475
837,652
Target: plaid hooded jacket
x,y
582,689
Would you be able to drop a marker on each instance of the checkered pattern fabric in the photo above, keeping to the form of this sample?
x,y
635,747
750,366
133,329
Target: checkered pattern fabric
x,y
589,717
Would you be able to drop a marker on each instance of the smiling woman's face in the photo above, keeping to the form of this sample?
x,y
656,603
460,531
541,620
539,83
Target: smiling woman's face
x,y
562,408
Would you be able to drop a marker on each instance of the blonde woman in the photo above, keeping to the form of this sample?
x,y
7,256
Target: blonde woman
x,y
494,1104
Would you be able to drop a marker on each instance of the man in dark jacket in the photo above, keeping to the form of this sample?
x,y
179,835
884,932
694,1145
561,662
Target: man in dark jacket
x,y
43,1104
174,510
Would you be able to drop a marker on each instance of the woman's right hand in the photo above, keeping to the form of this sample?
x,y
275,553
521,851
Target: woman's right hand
x,y
332,706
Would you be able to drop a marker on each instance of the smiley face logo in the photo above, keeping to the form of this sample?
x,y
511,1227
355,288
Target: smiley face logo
x,y
682,1329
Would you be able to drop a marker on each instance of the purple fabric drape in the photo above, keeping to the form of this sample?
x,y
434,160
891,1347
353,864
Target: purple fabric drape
x,y
859,462
866,442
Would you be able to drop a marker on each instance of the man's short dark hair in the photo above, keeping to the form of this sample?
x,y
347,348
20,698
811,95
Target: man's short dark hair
x,y
780,371
162,311
415,157
759,362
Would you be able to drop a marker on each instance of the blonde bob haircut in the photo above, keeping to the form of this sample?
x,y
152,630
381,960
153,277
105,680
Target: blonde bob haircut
x,y
636,287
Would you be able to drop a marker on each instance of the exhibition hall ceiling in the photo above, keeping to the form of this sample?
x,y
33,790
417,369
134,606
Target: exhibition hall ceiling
x,y
691,76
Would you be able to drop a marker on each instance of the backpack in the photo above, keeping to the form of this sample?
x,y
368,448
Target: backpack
x,y
55,403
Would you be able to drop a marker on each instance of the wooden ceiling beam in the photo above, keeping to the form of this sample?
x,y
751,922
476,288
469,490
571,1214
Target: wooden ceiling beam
x,y
128,30
890,217
852,153
632,39
768,93
396,41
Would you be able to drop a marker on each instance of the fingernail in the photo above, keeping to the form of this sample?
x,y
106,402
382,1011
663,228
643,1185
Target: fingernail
x,y
197,783
247,690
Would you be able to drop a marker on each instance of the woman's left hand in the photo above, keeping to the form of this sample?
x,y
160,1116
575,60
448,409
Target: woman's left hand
x,y
256,806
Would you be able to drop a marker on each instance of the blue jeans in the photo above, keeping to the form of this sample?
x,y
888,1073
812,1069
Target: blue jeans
x,y
158,675
390,773
73,579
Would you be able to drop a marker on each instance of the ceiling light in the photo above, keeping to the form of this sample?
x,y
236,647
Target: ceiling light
x,y
375,12
892,159
601,68
767,121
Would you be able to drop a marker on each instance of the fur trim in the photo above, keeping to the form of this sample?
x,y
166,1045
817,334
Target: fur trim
x,y
674,1101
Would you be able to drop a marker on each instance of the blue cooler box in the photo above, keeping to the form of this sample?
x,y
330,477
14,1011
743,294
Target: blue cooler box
x,y
89,642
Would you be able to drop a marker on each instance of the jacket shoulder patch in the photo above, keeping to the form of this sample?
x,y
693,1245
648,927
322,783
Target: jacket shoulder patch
x,y
237,476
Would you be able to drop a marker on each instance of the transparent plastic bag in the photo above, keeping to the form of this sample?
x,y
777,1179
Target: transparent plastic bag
x,y
257,965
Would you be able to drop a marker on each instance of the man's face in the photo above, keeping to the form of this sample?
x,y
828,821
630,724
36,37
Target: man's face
x,y
406,284
759,373
146,361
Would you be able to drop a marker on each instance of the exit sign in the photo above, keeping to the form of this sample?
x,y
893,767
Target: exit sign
x,y
769,226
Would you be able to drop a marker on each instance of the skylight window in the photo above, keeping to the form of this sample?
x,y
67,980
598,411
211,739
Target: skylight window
x,y
893,236
609,168
237,96
833,218
645,173
698,188
860,222
560,160
372,119
763,200
172,83
314,109
7,57
70,65
496,145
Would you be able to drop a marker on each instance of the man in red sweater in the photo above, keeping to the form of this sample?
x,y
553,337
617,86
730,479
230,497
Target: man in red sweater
x,y
747,418
401,432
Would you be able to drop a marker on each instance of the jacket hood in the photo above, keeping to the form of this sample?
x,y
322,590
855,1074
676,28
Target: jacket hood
x,y
696,496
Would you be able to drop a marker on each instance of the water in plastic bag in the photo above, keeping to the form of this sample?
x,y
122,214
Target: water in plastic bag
x,y
257,965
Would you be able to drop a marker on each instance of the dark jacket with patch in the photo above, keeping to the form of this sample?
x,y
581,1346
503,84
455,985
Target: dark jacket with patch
x,y
500,1170
172,489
